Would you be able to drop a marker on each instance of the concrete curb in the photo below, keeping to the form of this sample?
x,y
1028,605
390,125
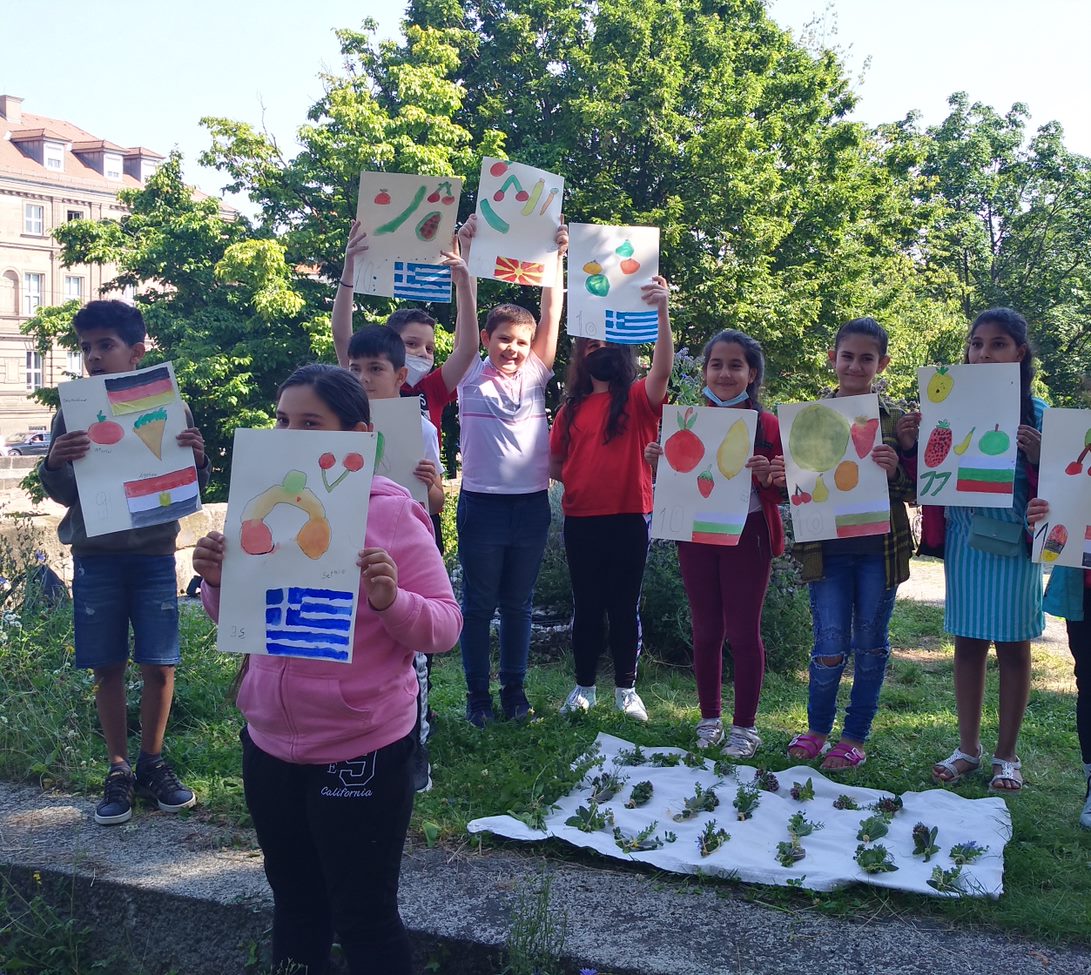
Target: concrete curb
x,y
178,893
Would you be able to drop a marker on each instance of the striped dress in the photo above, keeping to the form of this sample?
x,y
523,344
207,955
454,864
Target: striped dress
x,y
993,597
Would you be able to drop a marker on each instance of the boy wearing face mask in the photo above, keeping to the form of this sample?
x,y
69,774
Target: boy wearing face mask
x,y
596,450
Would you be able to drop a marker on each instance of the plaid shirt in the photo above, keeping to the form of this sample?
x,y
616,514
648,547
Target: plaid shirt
x,y
898,542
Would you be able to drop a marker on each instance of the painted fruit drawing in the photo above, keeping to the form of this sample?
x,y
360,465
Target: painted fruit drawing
x,y
995,442
940,385
863,434
819,437
705,483
683,449
799,496
847,475
105,432
382,198
1076,467
734,451
821,492
939,445
964,444
1055,543
426,229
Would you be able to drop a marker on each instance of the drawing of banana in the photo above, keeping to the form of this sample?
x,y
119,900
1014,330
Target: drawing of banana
x,y
964,444
734,451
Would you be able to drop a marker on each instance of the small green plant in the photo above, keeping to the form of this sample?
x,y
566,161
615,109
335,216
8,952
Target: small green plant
x,y
946,881
605,786
746,800
800,826
963,853
538,932
888,806
640,796
872,828
702,800
789,853
663,760
803,791
875,859
726,769
669,836
590,818
712,838
845,802
690,760
766,780
924,841
631,756
636,843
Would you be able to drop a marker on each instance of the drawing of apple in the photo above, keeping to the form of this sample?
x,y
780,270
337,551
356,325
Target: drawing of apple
x,y
994,442
498,168
382,198
105,431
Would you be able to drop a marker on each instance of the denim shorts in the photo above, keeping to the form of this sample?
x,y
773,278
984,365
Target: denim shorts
x,y
109,592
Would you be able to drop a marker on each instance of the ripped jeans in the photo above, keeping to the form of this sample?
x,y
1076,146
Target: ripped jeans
x,y
850,610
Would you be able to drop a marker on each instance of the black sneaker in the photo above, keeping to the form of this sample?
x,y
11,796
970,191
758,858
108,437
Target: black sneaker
x,y
422,768
513,701
479,710
117,798
159,781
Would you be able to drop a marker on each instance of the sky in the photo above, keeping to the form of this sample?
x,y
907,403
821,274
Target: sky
x,y
146,74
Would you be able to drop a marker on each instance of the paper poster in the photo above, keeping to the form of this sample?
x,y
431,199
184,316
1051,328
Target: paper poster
x,y
1064,480
409,221
835,488
702,485
967,450
518,213
296,515
135,475
400,442
607,266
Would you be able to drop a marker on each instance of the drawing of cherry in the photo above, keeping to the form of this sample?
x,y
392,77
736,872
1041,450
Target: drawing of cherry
x,y
353,462
433,197
326,461
498,168
1076,467
498,196
522,196
382,198
447,201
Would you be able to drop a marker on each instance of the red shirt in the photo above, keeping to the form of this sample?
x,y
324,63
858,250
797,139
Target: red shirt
x,y
606,478
433,390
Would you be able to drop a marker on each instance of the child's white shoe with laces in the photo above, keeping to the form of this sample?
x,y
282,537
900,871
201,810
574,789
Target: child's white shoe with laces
x,y
628,703
710,732
742,742
579,699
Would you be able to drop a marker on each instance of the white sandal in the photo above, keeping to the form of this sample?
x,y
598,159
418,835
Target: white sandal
x,y
958,755
1009,772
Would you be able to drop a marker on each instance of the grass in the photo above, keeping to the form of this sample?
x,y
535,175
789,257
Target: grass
x,y
48,735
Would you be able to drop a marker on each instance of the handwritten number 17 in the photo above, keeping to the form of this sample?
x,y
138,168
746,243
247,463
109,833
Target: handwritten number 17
x,y
930,478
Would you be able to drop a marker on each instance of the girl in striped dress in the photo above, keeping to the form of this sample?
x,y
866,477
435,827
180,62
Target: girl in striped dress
x,y
995,598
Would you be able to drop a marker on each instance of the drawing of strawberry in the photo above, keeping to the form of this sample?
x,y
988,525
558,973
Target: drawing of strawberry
x,y
863,434
684,449
705,483
939,445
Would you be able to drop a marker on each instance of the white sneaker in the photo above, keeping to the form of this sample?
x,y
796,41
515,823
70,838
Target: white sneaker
x,y
710,732
742,743
628,703
579,699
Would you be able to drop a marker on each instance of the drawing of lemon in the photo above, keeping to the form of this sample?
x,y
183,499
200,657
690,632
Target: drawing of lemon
x,y
734,450
819,437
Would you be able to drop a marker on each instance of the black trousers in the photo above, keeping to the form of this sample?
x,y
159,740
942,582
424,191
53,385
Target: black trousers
x,y
1079,642
606,557
332,836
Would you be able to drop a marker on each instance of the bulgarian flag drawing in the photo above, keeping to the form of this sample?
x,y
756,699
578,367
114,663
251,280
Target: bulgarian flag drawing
x,y
145,390
852,523
717,530
518,272
167,497
988,476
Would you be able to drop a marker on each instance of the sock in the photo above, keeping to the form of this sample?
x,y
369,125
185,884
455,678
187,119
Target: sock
x,y
114,766
145,759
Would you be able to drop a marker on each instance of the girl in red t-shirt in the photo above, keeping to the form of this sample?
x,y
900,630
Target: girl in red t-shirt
x,y
726,584
596,448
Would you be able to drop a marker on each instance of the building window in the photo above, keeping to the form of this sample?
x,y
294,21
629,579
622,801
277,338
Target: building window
x,y
54,156
32,293
34,219
74,215
74,365
73,287
111,165
34,370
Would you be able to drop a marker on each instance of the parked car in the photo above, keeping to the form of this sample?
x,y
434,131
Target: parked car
x,y
35,443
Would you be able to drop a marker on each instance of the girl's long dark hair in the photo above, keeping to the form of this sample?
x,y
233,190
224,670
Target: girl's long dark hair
x,y
577,387
338,388
1017,329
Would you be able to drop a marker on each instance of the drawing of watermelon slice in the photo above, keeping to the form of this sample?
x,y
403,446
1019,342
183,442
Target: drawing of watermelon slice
x,y
426,229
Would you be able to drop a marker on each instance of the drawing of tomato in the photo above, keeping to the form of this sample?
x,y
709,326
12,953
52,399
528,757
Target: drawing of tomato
x,y
105,431
939,445
683,448
705,483
382,198
863,434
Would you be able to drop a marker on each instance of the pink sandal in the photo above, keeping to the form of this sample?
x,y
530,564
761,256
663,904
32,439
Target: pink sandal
x,y
849,754
811,745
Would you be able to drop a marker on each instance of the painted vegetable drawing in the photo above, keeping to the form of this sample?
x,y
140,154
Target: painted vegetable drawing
x,y
105,432
863,435
819,437
847,475
705,483
940,385
995,442
683,449
939,445
733,452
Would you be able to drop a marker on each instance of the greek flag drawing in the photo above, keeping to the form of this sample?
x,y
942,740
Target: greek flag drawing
x,y
414,281
631,327
315,623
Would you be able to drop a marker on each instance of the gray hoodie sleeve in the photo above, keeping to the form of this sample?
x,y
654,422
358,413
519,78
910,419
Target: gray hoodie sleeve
x,y
59,484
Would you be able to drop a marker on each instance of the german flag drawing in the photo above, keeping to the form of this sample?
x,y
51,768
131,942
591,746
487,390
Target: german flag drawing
x,y
167,497
716,530
987,480
144,390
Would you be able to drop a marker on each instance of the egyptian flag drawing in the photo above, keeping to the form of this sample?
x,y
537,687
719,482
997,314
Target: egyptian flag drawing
x,y
144,390
166,497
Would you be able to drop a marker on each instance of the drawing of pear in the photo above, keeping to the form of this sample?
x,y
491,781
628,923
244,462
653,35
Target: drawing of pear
x,y
733,452
821,492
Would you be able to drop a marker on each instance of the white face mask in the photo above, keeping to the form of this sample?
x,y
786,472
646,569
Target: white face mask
x,y
419,367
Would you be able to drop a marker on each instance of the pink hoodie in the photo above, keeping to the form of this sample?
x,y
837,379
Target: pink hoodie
x,y
311,712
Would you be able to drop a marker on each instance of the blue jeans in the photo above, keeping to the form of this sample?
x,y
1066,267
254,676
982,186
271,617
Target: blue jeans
x,y
850,609
501,540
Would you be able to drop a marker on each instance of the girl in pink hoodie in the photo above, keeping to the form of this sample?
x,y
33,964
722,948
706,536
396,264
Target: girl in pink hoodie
x,y
327,746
